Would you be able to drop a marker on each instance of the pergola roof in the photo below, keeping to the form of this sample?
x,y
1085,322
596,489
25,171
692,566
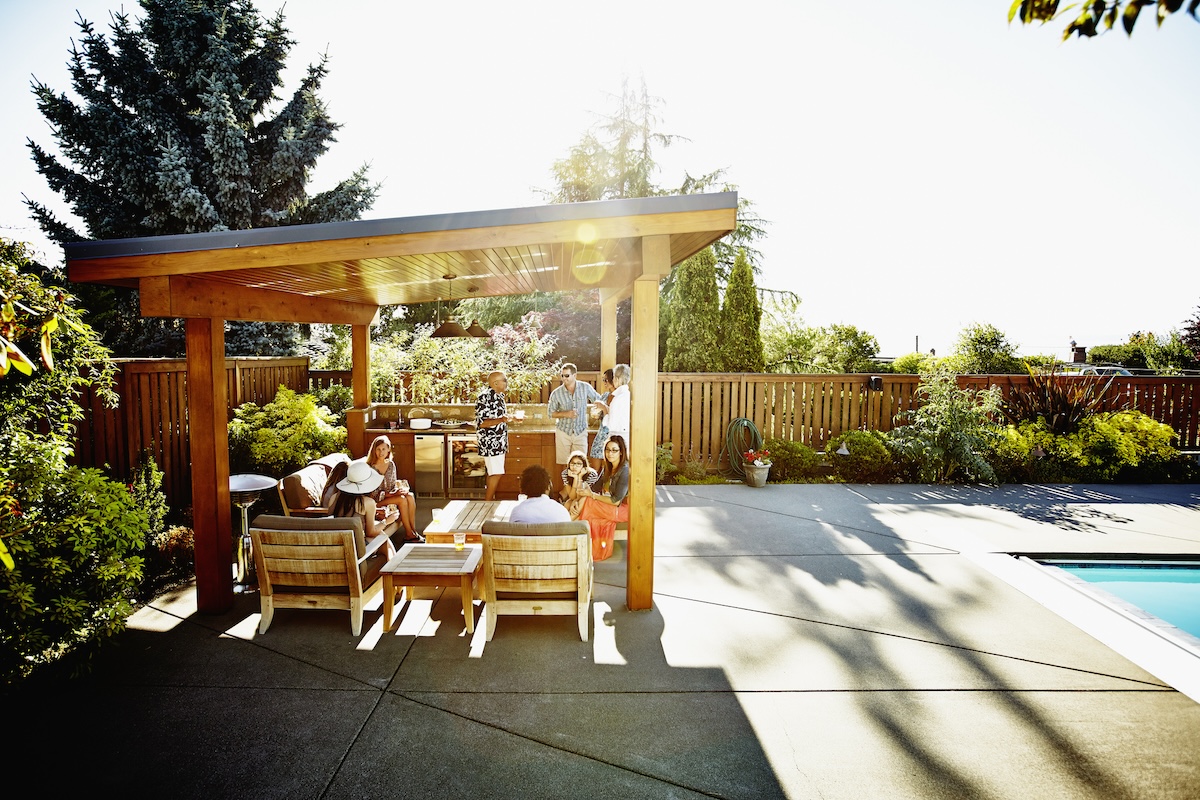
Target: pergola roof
x,y
342,272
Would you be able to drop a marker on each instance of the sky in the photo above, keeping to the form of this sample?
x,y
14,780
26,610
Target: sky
x,y
922,166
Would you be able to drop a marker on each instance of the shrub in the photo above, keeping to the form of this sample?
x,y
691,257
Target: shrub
x,y
1063,403
338,399
664,467
694,470
868,460
1124,446
283,435
792,462
77,566
949,436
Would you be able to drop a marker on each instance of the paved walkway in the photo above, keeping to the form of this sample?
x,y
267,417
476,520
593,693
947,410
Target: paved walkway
x,y
806,641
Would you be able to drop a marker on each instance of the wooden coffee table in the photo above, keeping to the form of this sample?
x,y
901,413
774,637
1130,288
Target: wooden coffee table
x,y
467,516
431,565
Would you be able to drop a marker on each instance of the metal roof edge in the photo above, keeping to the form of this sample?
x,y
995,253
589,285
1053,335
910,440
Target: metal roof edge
x,y
354,229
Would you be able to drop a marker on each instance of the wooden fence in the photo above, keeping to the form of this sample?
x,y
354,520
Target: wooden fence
x,y
152,414
692,410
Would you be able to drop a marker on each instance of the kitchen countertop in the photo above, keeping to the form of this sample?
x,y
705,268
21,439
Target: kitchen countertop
x,y
537,427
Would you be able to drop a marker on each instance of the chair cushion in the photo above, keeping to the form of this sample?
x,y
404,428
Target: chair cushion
x,y
272,522
303,488
330,461
572,528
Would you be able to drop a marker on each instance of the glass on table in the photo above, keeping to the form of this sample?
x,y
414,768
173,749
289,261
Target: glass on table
x,y
460,540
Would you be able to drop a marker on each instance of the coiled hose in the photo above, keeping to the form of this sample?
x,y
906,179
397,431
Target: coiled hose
x,y
740,436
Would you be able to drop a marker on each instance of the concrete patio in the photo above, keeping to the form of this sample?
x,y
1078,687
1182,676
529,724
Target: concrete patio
x,y
833,641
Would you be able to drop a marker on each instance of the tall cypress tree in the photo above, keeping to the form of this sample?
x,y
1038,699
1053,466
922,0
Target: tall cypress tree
x,y
741,315
692,340
175,130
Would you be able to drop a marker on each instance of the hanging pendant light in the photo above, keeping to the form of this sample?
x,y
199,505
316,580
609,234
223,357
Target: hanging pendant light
x,y
477,330
450,329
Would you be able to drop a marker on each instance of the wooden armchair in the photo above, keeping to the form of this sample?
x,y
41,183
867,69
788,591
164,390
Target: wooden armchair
x,y
316,563
535,569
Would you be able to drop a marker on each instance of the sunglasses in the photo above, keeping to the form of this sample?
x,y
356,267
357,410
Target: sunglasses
x,y
612,449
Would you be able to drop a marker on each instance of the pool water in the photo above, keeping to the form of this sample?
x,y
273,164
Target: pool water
x,y
1169,591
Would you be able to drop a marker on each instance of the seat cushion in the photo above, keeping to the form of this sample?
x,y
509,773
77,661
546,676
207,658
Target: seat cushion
x,y
302,489
573,528
273,522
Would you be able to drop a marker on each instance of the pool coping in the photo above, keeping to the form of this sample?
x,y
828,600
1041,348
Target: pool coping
x,y
1170,654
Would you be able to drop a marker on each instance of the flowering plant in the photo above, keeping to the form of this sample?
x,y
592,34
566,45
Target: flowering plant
x,y
760,458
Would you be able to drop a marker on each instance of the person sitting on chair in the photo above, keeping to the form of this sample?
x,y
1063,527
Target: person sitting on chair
x,y
538,506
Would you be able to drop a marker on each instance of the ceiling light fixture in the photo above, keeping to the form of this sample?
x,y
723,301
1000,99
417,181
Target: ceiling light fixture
x,y
450,329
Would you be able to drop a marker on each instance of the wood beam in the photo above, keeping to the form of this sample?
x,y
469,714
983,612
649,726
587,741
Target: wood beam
x,y
192,262
208,435
643,389
608,334
360,385
186,296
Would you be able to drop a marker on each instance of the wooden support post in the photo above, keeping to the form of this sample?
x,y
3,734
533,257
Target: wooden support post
x,y
208,434
360,385
608,334
643,390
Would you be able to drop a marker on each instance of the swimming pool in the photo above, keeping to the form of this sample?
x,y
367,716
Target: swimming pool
x,y
1168,590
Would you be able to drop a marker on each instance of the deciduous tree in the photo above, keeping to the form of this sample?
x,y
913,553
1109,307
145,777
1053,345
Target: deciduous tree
x,y
984,349
1096,17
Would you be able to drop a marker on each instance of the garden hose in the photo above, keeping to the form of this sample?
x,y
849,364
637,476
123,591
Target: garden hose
x,y
740,436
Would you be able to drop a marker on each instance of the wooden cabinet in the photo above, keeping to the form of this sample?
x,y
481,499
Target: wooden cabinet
x,y
525,449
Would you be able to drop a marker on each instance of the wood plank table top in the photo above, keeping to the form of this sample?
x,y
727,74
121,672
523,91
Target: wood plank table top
x,y
467,516
431,565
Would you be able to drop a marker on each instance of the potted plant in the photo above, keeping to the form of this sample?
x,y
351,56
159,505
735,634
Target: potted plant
x,y
757,465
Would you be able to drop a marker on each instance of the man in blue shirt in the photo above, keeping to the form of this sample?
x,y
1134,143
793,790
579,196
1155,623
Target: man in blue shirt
x,y
538,506
568,407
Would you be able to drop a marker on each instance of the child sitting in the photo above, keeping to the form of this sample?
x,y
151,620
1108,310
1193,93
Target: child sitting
x,y
577,475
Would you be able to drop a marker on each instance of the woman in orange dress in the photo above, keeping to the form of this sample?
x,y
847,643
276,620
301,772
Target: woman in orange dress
x,y
603,509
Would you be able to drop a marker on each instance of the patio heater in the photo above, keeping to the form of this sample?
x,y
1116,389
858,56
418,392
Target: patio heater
x,y
244,490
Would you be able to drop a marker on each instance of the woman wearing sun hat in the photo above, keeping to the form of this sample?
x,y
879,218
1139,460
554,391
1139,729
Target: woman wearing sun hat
x,y
354,498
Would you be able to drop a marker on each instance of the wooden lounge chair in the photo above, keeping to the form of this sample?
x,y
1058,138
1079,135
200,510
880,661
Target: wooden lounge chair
x,y
316,563
535,569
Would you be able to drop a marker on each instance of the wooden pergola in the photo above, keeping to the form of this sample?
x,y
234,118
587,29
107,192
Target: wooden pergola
x,y
341,273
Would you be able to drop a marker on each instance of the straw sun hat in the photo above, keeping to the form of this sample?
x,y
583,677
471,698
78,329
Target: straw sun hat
x,y
361,478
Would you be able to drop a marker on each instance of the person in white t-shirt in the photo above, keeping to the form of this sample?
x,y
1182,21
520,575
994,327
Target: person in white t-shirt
x,y
538,506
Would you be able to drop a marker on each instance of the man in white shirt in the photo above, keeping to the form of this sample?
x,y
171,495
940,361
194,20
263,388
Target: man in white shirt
x,y
538,506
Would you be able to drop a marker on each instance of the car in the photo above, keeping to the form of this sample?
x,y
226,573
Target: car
x,y
1095,369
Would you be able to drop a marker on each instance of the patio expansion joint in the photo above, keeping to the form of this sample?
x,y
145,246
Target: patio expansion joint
x,y
905,637
553,746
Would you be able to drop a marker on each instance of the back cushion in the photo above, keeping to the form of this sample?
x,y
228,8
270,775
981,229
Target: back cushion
x,y
303,489
572,528
319,524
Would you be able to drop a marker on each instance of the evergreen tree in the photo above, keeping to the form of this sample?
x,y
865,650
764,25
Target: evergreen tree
x,y
741,316
176,129
692,340
616,160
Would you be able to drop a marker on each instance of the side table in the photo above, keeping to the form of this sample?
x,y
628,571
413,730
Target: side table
x,y
431,565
